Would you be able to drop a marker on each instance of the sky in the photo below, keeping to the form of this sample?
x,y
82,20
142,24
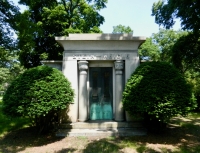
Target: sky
x,y
133,13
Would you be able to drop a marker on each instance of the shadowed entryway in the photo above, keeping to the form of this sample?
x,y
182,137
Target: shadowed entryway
x,y
101,93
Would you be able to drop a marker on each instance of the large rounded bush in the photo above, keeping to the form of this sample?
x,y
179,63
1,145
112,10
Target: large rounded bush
x,y
158,91
39,93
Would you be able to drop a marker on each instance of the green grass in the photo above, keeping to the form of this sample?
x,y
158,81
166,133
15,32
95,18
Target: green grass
x,y
102,146
181,136
9,124
194,115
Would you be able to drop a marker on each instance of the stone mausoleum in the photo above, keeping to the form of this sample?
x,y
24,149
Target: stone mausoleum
x,y
98,67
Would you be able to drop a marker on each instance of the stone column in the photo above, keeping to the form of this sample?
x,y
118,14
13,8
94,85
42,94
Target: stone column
x,y
119,112
83,95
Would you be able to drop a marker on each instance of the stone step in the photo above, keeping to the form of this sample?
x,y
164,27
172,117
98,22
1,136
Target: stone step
x,y
102,132
100,125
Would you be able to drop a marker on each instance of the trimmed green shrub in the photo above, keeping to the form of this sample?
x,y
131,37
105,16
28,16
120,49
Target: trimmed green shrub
x,y
157,91
39,93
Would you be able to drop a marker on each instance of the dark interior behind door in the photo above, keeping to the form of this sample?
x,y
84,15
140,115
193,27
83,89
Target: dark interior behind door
x,y
101,93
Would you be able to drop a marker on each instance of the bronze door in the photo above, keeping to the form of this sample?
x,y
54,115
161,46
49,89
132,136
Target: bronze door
x,y
101,93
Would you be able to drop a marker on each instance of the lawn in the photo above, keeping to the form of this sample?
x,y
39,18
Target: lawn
x,y
8,124
181,136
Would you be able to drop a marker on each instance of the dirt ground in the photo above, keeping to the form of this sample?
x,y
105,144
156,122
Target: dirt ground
x,y
183,135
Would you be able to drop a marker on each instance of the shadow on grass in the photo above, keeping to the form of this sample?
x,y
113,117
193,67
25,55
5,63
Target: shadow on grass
x,y
102,146
143,149
66,150
7,125
182,136
140,144
19,140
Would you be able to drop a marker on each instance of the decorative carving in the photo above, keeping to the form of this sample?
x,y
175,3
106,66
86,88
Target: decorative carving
x,y
118,57
92,56
83,67
119,65
127,56
97,56
105,56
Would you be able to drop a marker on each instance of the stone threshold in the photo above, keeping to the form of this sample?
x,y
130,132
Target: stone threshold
x,y
100,125
101,132
101,128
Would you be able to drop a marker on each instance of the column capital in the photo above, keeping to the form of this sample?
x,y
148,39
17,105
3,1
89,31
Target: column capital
x,y
119,65
83,65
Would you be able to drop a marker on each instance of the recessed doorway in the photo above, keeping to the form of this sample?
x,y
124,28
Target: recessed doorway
x,y
101,93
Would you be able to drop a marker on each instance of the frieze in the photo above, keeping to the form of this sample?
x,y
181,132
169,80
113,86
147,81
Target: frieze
x,y
114,56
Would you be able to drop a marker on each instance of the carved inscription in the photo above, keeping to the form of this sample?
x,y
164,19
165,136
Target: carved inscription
x,y
96,56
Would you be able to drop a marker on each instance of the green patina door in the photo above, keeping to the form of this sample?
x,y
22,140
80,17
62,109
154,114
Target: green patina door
x,y
101,93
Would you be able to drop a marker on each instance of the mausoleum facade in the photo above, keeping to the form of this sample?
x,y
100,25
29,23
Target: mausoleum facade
x,y
98,67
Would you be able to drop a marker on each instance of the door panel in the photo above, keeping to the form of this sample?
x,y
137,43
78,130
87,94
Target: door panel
x,y
101,93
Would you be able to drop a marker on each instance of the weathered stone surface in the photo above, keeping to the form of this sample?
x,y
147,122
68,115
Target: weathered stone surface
x,y
101,128
99,50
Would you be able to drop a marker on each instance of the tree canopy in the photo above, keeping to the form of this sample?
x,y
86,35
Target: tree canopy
x,y
186,53
186,49
122,29
187,11
9,66
49,18
159,46
8,18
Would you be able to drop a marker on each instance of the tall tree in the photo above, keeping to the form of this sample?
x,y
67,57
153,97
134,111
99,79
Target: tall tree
x,y
8,17
122,29
159,46
149,50
186,51
187,11
49,18
9,65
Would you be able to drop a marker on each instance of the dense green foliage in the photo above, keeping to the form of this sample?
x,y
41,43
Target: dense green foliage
x,y
9,66
187,11
149,50
119,29
8,17
39,93
185,52
46,19
159,46
159,91
181,48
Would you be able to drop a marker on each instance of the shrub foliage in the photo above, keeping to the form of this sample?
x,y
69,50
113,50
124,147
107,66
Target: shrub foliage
x,y
157,90
39,93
